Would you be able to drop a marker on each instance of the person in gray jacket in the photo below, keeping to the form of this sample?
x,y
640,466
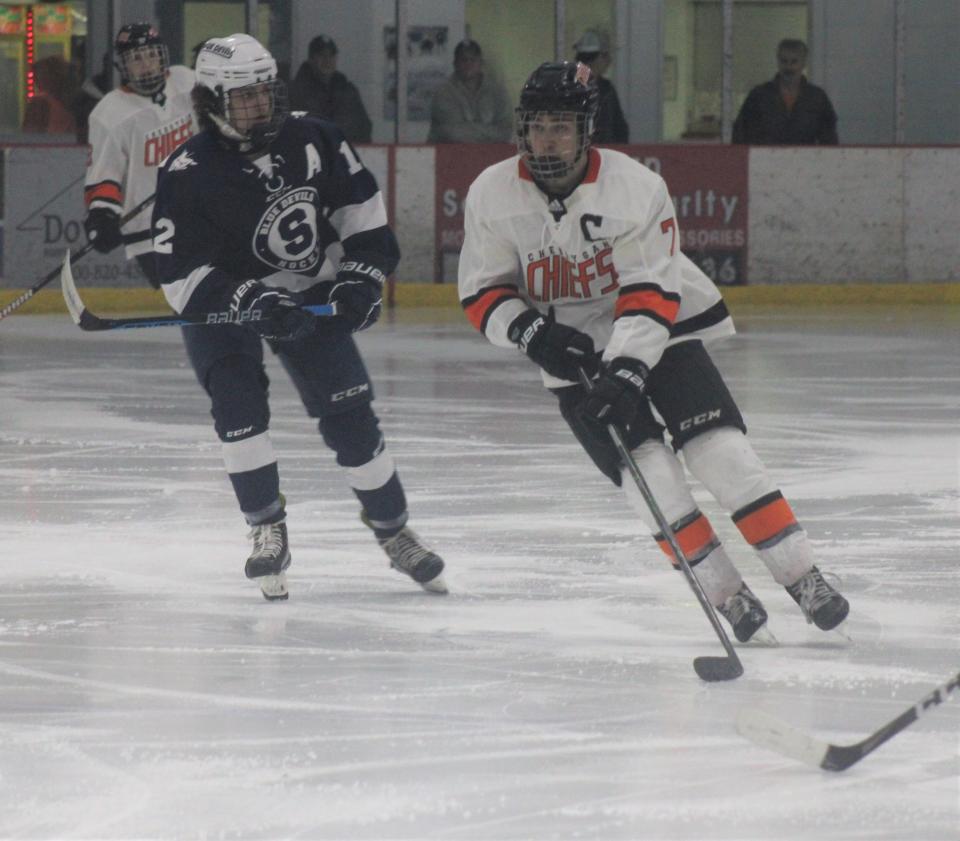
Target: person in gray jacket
x,y
322,90
470,107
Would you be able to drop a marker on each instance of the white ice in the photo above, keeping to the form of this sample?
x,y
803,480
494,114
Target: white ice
x,y
148,691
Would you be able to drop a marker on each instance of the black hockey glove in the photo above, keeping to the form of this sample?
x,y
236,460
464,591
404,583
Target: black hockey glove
x,y
557,348
274,313
617,394
358,294
103,229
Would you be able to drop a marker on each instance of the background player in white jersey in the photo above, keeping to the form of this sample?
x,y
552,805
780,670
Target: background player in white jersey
x,y
258,213
570,254
133,129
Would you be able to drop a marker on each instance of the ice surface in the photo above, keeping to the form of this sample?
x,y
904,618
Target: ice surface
x,y
148,691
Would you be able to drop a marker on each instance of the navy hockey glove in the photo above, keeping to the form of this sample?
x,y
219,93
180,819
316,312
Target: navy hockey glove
x,y
273,313
557,348
617,394
103,229
358,294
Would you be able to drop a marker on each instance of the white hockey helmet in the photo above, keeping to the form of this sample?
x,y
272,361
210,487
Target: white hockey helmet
x,y
238,92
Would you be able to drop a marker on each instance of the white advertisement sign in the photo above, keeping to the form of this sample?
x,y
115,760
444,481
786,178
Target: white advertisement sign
x,y
43,217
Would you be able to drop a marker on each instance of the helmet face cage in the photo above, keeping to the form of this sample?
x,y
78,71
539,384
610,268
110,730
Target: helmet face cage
x,y
557,92
551,167
242,110
142,58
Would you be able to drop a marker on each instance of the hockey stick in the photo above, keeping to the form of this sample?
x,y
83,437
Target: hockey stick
x,y
772,733
21,299
86,320
707,668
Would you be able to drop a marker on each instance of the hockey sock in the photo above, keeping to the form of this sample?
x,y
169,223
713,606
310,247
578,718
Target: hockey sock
x,y
724,460
698,541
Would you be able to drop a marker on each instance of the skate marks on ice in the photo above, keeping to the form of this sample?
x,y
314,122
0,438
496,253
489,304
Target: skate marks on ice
x,y
149,691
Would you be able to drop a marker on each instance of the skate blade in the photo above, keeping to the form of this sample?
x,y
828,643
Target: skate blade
x,y
274,587
841,631
436,585
763,637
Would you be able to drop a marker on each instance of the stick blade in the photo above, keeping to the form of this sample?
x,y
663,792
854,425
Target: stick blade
x,y
713,669
70,295
776,735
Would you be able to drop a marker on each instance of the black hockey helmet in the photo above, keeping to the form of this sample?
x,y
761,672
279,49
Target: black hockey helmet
x,y
561,86
557,89
142,58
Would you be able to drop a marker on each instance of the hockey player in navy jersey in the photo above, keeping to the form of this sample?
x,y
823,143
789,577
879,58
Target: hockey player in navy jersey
x,y
570,254
261,212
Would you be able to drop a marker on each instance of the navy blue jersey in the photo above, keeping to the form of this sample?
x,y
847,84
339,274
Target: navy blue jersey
x,y
287,218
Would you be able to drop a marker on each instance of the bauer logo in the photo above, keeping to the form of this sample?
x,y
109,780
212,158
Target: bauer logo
x,y
218,49
286,235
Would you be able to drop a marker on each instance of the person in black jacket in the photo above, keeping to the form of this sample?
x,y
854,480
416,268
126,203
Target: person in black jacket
x,y
320,89
594,51
788,109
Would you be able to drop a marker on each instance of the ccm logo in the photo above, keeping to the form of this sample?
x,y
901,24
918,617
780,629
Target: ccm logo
x,y
697,420
350,392
236,433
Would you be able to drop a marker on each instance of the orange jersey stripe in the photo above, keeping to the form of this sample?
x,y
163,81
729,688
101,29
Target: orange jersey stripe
x,y
767,521
477,310
106,190
693,539
648,299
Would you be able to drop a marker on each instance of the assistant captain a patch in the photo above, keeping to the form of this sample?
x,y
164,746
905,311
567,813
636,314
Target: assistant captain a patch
x,y
286,235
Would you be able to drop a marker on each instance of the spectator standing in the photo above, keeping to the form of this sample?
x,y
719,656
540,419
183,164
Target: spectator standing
x,y
49,110
470,107
322,90
788,109
593,49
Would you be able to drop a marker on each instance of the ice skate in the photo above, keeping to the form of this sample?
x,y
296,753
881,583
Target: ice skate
x,y
747,617
270,557
409,556
821,604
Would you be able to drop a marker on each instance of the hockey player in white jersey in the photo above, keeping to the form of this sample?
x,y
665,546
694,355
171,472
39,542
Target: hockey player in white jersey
x,y
133,129
571,255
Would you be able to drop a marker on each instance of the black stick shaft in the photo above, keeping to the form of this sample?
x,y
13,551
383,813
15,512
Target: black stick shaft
x,y
708,668
23,297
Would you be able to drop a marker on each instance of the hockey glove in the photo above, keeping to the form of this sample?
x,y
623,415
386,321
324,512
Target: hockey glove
x,y
103,229
358,294
557,348
617,394
274,313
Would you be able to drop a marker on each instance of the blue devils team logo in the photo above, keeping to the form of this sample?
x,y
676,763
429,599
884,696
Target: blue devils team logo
x,y
286,235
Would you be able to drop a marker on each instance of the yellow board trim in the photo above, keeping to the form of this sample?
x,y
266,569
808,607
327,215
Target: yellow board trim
x,y
150,302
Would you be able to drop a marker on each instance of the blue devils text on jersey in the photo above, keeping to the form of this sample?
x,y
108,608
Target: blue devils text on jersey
x,y
287,218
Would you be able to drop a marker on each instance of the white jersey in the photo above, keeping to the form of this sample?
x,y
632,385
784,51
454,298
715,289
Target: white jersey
x,y
606,257
130,136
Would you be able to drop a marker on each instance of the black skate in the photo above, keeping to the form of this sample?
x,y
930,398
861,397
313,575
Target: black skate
x,y
271,556
821,604
409,556
746,616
